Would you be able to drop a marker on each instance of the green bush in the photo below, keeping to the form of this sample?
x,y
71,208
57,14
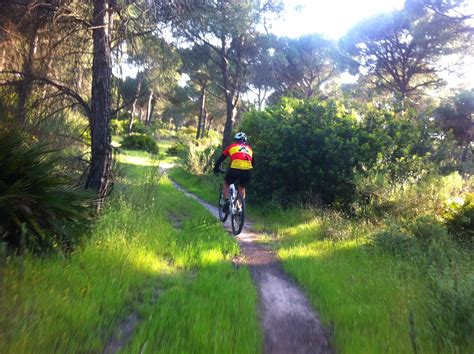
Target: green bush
x,y
142,142
199,158
140,128
39,209
427,229
118,127
177,149
393,240
377,196
459,220
306,151
402,144
188,131
415,236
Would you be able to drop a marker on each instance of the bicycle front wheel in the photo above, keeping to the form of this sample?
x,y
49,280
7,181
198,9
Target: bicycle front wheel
x,y
238,217
220,207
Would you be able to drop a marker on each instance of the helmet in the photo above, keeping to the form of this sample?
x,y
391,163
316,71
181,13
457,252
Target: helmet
x,y
240,137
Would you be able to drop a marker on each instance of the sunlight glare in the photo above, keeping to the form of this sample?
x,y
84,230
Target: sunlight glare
x,y
330,18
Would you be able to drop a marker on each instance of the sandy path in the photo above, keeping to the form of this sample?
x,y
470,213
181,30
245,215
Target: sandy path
x,y
289,323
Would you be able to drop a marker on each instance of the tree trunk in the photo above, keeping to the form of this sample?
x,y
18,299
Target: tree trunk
x,y
149,108
230,115
118,100
130,126
229,99
211,118
201,111
134,105
24,88
99,178
2,62
204,122
152,108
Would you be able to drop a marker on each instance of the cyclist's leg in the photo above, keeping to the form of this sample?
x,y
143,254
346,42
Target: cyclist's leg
x,y
244,179
225,189
242,190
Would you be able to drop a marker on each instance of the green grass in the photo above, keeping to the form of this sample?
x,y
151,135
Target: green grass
x,y
153,252
366,297
206,187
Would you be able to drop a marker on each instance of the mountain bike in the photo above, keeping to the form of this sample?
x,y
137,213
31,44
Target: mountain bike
x,y
236,208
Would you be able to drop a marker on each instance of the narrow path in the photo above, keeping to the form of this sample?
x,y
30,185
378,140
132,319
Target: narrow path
x,y
289,323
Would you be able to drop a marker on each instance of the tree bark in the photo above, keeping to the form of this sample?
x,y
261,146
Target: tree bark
x,y
24,88
230,116
2,62
211,118
130,126
204,122
152,108
149,108
134,105
99,178
201,112
229,99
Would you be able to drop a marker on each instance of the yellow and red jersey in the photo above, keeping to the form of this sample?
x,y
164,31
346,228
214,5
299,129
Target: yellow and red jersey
x,y
240,156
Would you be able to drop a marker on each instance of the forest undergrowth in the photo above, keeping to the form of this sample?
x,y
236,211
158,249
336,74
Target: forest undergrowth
x,y
153,253
381,285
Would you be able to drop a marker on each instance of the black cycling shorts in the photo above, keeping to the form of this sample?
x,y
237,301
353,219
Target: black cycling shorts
x,y
242,177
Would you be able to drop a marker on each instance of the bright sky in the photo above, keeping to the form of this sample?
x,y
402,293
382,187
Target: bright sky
x,y
329,17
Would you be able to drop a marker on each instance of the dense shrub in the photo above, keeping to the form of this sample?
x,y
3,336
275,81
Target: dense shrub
x,y
427,229
177,149
118,127
140,128
415,236
394,240
403,144
199,158
377,195
142,142
459,219
188,131
306,151
39,209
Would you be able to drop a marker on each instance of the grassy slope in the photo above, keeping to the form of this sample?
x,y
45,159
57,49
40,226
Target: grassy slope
x,y
134,252
363,295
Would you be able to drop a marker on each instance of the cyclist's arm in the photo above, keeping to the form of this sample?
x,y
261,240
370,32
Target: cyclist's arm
x,y
219,161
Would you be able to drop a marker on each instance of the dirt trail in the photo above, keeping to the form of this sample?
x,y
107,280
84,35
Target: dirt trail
x,y
289,323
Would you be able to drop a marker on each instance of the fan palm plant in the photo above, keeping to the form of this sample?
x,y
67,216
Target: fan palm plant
x,y
39,208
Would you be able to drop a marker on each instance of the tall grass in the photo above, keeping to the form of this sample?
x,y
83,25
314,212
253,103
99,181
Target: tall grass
x,y
374,301
153,252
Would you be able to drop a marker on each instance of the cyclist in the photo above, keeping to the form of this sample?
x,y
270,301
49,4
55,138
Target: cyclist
x,y
241,157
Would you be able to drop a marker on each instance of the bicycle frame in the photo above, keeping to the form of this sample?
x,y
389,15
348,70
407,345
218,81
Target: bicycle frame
x,y
232,196
236,209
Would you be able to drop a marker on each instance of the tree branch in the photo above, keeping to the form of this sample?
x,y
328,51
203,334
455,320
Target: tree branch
x,y
61,87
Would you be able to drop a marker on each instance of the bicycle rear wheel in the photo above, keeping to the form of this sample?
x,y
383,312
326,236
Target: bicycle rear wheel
x,y
238,218
222,216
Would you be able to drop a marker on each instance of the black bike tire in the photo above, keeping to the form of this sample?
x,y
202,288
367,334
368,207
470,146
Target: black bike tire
x,y
237,229
222,216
